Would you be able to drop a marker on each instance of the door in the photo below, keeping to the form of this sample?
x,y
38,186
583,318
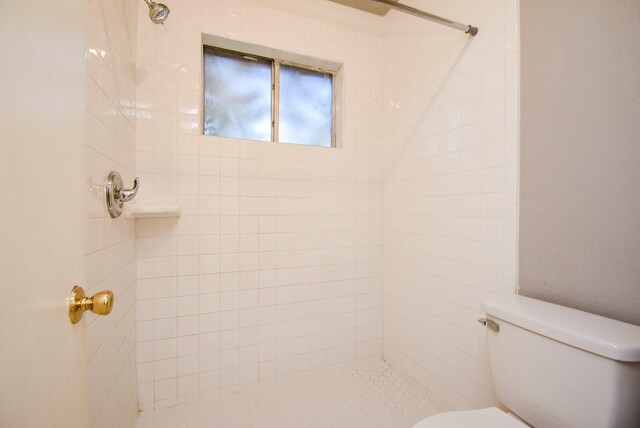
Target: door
x,y
42,75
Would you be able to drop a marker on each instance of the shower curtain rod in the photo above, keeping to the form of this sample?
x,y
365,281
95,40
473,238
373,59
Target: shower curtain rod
x,y
468,29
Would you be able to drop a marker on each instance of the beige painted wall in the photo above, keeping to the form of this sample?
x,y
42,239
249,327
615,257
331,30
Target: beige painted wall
x,y
580,155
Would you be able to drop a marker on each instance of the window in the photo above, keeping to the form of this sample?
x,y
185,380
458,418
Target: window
x,y
252,97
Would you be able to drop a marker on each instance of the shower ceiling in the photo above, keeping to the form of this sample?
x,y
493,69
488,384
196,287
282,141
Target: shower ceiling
x,y
367,6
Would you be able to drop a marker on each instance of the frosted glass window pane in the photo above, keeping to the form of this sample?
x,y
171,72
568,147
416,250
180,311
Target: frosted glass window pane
x,y
306,105
237,96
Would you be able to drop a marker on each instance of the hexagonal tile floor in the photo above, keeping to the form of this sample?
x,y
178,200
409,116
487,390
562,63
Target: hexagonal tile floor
x,y
371,395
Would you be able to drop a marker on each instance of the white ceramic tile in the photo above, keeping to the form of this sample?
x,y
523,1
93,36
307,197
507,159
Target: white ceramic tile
x,y
110,261
365,395
289,239
447,242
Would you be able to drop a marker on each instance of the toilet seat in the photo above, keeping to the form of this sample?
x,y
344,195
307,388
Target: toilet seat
x,y
491,417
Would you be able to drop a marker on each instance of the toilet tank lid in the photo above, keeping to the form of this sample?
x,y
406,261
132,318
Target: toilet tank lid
x,y
599,335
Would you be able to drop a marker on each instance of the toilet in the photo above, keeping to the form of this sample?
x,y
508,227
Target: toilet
x,y
555,367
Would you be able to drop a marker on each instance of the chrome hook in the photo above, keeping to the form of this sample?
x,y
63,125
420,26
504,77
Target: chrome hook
x,y
125,195
116,196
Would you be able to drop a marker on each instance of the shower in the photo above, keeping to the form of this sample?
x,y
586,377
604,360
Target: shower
x,y
158,12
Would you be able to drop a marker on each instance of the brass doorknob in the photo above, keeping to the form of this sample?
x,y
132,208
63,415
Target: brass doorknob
x,y
100,303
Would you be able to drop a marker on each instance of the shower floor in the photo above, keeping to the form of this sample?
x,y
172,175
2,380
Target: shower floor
x,y
370,394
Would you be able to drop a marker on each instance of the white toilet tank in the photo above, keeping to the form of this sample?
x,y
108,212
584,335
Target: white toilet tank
x,y
558,367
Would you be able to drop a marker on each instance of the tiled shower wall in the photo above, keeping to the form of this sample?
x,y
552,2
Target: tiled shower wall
x,y
274,267
110,243
450,192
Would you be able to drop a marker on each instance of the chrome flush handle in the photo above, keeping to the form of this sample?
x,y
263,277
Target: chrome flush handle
x,y
489,323
116,195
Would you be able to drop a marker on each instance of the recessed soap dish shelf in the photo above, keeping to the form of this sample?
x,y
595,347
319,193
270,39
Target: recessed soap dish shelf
x,y
151,211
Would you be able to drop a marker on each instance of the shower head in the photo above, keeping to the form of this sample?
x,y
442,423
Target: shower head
x,y
158,12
